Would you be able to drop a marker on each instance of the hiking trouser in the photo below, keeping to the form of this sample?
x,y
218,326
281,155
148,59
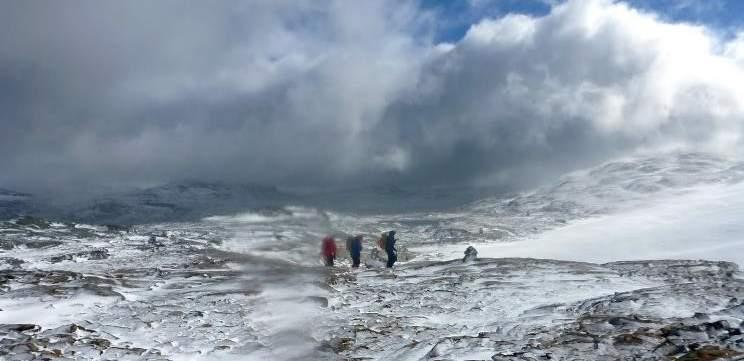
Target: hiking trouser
x,y
355,258
329,261
392,257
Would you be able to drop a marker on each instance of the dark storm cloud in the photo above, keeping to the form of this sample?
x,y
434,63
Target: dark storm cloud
x,y
268,91
306,92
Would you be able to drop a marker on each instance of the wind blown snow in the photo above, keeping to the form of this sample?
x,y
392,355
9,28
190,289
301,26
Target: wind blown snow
x,y
703,223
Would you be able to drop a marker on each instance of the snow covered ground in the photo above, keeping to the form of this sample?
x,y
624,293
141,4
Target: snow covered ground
x,y
88,293
702,223
250,286
530,309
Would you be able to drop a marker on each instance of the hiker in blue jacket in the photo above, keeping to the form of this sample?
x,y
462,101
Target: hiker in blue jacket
x,y
390,249
355,248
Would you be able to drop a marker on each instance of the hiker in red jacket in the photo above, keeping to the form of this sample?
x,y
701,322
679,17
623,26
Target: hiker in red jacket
x,y
329,250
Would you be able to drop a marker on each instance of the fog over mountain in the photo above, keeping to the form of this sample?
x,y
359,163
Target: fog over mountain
x,y
307,93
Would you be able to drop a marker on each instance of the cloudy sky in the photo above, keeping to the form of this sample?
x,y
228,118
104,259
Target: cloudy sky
x,y
495,92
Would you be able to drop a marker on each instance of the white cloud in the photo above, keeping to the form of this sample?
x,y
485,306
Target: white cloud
x,y
511,29
300,91
593,79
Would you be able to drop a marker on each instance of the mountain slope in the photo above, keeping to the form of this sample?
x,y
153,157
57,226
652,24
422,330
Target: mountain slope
x,y
181,201
14,203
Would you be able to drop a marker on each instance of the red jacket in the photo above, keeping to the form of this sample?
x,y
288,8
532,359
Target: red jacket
x,y
329,247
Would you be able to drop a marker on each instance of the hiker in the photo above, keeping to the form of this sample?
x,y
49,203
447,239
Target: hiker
x,y
329,250
355,249
390,249
381,240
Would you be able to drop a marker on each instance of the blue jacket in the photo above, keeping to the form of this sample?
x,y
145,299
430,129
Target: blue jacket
x,y
356,246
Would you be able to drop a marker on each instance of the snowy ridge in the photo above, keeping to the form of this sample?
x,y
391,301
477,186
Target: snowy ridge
x,y
613,187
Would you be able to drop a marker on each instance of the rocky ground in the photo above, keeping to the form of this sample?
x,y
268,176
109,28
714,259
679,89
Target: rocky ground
x,y
525,309
174,292
108,293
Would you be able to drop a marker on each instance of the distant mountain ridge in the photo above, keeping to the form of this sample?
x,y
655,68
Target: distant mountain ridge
x,y
13,203
10,193
172,202
178,201
579,194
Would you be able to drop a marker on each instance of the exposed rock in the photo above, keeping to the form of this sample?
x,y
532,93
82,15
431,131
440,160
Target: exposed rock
x,y
42,244
101,343
4,329
627,339
10,261
118,228
78,342
450,235
471,254
32,221
197,299
154,243
94,254
8,244
709,353
443,304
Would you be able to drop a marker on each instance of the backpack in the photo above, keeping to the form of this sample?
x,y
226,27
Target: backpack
x,y
381,242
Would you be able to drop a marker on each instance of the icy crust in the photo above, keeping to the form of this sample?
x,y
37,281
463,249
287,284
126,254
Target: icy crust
x,y
527,309
93,293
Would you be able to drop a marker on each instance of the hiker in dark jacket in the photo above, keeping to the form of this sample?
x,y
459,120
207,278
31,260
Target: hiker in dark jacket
x,y
355,248
390,249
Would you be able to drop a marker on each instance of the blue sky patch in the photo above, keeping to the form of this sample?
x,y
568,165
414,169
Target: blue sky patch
x,y
456,16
